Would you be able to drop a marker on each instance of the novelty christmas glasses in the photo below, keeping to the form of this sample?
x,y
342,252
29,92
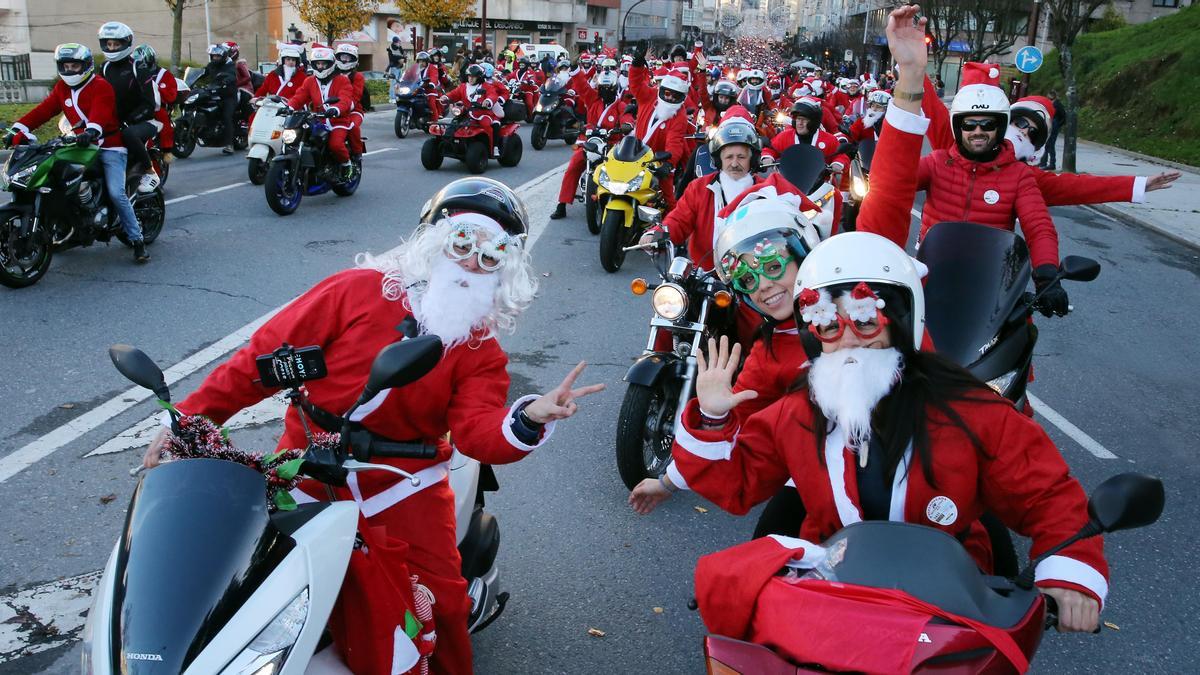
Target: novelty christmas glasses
x,y
864,313
491,250
765,262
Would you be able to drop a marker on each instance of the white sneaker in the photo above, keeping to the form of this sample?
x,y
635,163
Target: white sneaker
x,y
149,182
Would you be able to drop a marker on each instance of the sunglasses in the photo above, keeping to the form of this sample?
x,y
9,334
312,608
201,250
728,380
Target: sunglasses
x,y
1024,124
464,241
983,125
833,331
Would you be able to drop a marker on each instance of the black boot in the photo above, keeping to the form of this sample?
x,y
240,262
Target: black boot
x,y
139,252
560,211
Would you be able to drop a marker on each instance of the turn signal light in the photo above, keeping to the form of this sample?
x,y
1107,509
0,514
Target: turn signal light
x,y
638,286
723,299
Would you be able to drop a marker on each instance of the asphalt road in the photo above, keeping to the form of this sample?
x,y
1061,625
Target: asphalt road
x,y
574,557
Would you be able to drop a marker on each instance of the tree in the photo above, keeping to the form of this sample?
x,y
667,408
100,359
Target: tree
x,y
1066,19
946,21
176,7
436,13
335,18
994,26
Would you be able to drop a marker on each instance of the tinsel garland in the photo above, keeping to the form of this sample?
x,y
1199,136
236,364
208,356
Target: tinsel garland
x,y
200,437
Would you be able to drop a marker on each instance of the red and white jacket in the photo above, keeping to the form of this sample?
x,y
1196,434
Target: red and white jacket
x,y
694,218
348,317
824,141
312,92
479,100
666,135
274,84
92,105
165,91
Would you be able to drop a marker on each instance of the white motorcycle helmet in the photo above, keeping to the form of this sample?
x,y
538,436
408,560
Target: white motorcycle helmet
x,y
288,52
673,90
755,78
115,30
848,258
756,219
322,55
346,56
981,99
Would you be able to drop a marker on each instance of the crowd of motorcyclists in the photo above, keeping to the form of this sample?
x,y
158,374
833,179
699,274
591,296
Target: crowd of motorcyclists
x,y
821,390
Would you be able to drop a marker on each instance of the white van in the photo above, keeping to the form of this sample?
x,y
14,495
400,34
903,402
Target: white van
x,y
538,52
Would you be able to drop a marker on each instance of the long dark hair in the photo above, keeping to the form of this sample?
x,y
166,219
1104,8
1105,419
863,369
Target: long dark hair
x,y
928,380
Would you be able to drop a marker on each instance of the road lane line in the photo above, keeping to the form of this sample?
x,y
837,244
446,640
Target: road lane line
x,y
44,617
225,187
379,150
1064,425
38,449
176,200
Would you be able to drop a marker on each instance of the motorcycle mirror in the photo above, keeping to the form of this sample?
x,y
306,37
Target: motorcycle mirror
x,y
1126,501
140,369
1078,268
402,363
649,214
662,156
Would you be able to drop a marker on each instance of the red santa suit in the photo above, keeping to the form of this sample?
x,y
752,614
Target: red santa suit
x,y
432,74
166,90
274,85
91,105
354,134
480,101
314,92
463,396
601,115
661,135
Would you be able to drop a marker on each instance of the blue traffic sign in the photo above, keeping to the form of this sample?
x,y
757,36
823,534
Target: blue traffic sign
x,y
1028,59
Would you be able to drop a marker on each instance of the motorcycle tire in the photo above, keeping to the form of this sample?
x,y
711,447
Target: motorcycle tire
x,y
645,432
185,140
612,239
276,189
30,267
537,135
403,124
256,169
151,212
476,156
240,141
161,167
592,207
511,149
351,186
431,154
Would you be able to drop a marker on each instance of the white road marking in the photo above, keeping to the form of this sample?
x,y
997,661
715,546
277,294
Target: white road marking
x,y
372,152
38,449
225,187
1064,425
176,200
139,435
44,617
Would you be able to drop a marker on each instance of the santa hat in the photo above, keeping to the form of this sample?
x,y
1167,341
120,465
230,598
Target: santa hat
x,y
661,72
681,71
774,187
736,112
980,73
1038,104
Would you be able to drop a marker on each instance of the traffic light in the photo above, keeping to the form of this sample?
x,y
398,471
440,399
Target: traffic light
x,y
928,40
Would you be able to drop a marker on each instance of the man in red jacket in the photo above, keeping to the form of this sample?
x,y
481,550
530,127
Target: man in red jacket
x,y
287,77
89,105
347,62
605,111
465,276
480,98
327,83
661,120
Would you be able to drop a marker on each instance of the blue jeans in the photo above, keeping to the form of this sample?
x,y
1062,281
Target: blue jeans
x,y
114,184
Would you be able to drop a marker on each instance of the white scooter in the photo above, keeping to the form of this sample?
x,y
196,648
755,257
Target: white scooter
x,y
204,579
265,137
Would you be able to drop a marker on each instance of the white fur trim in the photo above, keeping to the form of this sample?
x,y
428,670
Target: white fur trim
x,y
813,553
676,477
902,120
713,451
99,129
506,425
1139,190
21,128
1062,568
835,465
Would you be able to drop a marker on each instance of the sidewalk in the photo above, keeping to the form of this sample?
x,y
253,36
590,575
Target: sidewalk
x,y
1173,212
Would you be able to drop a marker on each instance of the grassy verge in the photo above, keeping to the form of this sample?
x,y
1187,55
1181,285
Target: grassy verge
x,y
1137,86
11,112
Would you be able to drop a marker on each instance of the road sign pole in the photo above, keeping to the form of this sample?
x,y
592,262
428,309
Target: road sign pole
x,y
1035,15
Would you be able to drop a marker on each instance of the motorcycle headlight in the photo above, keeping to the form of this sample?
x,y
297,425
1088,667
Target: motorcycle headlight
x,y
1001,384
537,108
289,136
781,118
669,301
859,188
192,99
405,90
266,654
21,178
602,178
636,183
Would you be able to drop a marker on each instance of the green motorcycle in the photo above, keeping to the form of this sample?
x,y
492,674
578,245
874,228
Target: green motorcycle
x,y
59,202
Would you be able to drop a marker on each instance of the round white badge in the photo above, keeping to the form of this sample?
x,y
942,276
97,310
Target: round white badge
x,y
821,146
941,510
991,196
68,103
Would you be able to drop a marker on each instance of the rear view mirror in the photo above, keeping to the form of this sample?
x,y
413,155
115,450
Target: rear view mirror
x,y
662,156
402,363
1126,501
1078,268
139,369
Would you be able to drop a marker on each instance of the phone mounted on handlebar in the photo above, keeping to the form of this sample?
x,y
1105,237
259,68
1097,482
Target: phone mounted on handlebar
x,y
288,367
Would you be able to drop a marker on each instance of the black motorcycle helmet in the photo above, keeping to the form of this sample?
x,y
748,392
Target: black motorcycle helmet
x,y
732,133
724,95
809,110
474,70
523,62
679,52
479,195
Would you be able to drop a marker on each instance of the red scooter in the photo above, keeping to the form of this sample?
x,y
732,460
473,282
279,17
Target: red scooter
x,y
470,140
897,597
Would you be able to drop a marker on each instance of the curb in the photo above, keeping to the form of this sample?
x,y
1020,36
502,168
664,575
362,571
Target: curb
x,y
1145,158
1130,219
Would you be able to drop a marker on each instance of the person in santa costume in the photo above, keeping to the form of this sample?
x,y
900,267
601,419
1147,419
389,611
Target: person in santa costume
x,y
479,98
465,276
327,83
662,121
605,111
287,76
347,62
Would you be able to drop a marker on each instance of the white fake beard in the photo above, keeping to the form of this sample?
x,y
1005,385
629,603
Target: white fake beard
x,y
288,71
665,111
733,187
849,383
870,117
454,302
1022,146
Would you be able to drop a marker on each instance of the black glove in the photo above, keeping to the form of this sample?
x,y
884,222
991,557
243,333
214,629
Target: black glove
x,y
88,137
1054,301
9,137
332,111
639,55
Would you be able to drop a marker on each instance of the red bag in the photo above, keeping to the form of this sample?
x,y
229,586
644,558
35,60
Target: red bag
x,y
376,623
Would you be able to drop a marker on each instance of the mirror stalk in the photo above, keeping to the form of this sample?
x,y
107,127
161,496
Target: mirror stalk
x,y
1025,579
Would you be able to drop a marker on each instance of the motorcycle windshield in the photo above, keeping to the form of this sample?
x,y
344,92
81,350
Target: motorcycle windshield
x,y
411,76
925,563
866,150
977,274
802,166
191,74
197,543
630,149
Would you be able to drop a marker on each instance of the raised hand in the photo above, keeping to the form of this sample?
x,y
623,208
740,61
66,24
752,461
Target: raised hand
x,y
714,378
559,402
906,38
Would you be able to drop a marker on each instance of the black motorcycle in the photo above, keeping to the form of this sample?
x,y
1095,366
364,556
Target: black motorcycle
x,y
305,166
553,118
412,106
200,121
59,202
690,305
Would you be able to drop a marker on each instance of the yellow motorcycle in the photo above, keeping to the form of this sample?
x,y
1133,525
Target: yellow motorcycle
x,y
629,198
